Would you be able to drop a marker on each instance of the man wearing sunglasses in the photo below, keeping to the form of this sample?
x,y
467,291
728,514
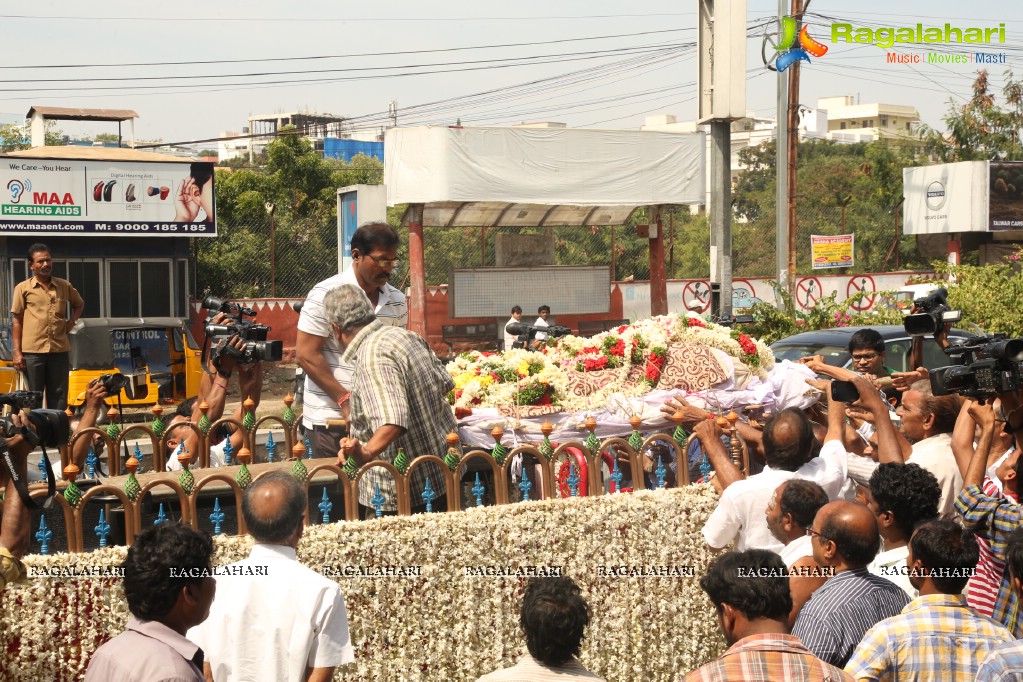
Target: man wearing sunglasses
x,y
327,379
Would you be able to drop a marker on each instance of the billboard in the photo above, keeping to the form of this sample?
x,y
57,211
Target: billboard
x,y
108,198
357,205
1005,198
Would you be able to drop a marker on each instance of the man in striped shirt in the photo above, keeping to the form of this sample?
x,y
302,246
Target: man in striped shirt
x,y
1005,663
398,400
750,591
327,378
851,602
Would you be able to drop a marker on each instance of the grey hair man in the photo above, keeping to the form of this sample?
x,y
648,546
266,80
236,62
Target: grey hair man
x,y
309,632
399,400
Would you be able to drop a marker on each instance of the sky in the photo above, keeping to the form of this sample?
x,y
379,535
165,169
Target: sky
x,y
597,63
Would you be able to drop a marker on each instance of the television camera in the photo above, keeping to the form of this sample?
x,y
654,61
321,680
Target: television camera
x,y
933,314
527,332
256,348
988,365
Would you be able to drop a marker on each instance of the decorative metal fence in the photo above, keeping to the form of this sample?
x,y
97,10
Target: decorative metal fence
x,y
473,477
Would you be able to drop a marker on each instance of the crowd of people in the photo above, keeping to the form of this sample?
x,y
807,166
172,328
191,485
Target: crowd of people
x,y
895,523
877,537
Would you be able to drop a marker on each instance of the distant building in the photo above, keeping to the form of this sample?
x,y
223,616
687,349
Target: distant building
x,y
849,121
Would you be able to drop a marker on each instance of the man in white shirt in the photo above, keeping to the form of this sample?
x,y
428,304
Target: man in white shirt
x,y
901,497
540,338
516,318
327,379
273,618
212,391
788,449
790,512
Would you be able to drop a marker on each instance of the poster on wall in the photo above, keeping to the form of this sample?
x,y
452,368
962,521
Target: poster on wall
x,y
1005,204
835,251
70,197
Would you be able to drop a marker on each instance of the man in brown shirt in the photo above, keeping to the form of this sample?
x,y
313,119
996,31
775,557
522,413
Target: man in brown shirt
x,y
41,326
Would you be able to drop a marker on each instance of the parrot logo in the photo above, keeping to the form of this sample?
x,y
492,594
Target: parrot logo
x,y
18,188
780,50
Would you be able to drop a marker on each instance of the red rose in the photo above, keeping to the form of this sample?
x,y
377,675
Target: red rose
x,y
618,349
696,322
545,400
462,412
458,394
623,328
653,373
747,345
591,349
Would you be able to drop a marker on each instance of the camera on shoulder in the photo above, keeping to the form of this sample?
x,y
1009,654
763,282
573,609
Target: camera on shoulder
x,y
988,365
256,347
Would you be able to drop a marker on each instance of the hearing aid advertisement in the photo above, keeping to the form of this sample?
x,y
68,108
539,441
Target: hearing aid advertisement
x,y
64,197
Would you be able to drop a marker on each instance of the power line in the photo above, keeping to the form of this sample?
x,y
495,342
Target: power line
x,y
343,56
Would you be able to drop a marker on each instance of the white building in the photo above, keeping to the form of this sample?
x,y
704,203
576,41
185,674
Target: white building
x,y
849,121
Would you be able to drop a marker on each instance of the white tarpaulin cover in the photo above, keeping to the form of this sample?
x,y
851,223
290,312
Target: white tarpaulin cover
x,y
551,166
946,198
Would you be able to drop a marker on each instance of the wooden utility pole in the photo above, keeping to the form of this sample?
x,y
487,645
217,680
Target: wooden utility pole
x,y
792,138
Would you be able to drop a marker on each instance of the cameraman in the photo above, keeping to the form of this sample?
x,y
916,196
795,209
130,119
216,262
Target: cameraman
x,y
15,526
95,406
213,390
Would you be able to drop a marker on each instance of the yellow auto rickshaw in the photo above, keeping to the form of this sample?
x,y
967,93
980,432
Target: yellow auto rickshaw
x,y
158,357
8,375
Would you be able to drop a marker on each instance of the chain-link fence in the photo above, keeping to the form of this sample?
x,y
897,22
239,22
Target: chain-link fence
x,y
286,259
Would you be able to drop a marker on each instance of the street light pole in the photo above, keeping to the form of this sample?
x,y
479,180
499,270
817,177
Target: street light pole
x,y
273,250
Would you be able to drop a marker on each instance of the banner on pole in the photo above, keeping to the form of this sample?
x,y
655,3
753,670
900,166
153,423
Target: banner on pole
x,y
834,251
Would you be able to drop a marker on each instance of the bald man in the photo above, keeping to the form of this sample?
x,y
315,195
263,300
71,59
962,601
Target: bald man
x,y
834,620
273,618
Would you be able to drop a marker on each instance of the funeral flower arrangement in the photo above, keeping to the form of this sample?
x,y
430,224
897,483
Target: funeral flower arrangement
x,y
634,355
446,603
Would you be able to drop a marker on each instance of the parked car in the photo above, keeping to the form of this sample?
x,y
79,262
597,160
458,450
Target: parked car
x,y
833,345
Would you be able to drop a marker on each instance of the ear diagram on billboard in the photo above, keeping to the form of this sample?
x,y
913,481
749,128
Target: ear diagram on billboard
x,y
779,50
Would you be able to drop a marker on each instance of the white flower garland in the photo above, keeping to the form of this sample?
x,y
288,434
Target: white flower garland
x,y
442,625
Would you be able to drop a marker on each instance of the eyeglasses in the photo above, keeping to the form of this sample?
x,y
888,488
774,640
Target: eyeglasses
x,y
811,532
865,357
384,262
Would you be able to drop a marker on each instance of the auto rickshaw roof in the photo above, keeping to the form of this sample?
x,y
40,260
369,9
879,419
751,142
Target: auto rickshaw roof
x,y
91,346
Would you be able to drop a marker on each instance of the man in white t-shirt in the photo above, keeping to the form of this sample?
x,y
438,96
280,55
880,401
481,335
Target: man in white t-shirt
x,y
327,379
516,318
273,618
788,448
212,391
540,338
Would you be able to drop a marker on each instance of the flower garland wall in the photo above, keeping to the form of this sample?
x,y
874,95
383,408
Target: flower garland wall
x,y
634,353
441,624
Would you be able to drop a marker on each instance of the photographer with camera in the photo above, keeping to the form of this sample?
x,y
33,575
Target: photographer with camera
x,y
96,394
227,356
15,525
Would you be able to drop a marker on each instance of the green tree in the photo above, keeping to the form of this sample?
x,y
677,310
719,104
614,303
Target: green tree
x,y
981,129
301,187
14,137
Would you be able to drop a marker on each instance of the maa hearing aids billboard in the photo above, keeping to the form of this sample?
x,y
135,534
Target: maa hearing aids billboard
x,y
65,197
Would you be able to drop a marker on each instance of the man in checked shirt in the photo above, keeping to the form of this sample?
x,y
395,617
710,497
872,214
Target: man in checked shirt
x,y
398,399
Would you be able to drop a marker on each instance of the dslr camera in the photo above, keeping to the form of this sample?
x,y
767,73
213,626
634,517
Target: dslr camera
x,y
934,313
49,428
254,335
989,365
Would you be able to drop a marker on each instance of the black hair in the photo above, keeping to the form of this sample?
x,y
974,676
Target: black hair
x,y
866,339
282,523
201,173
947,551
1014,554
554,616
372,235
738,579
150,586
857,548
36,248
802,499
543,308
791,453
910,492
516,309
186,408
